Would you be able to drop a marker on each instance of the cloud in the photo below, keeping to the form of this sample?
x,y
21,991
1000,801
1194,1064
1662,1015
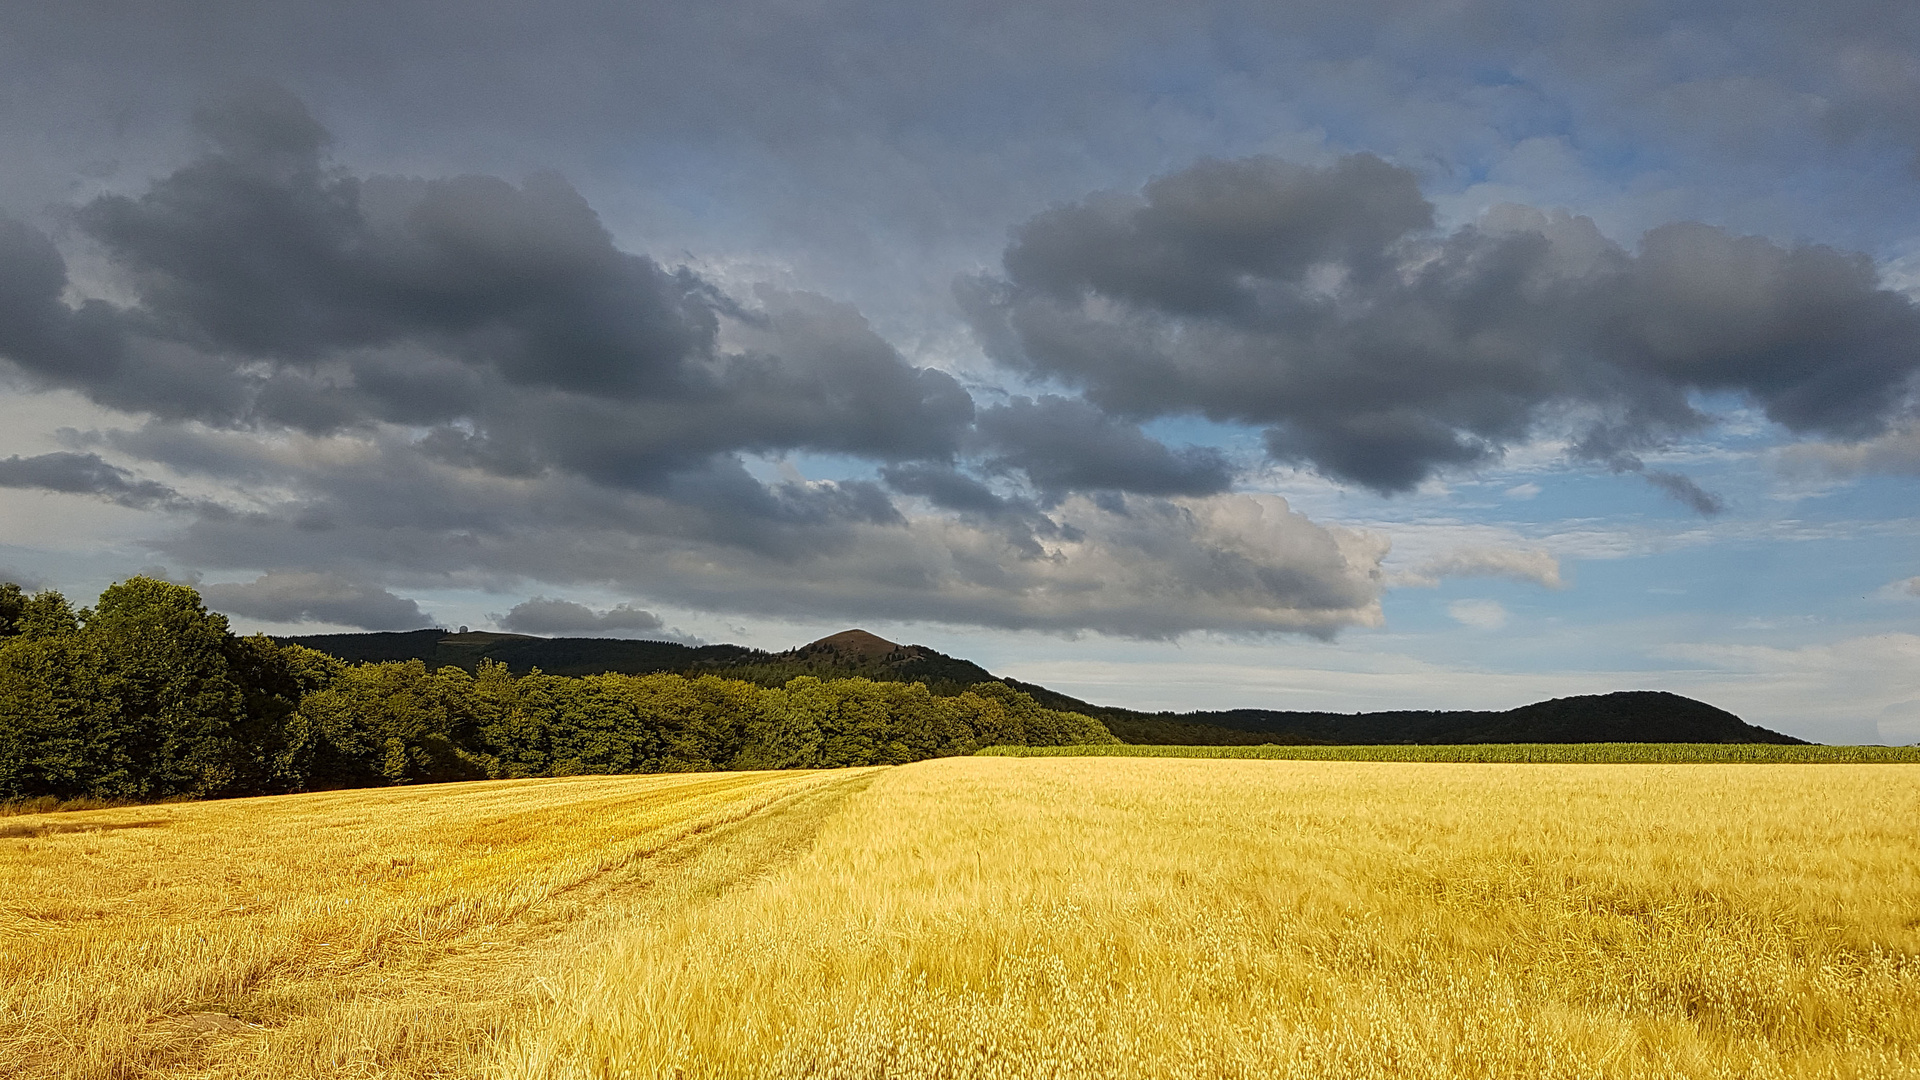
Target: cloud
x,y
1479,614
1853,684
1685,492
1318,303
1128,565
332,598
500,319
1893,453
1533,565
189,578
26,579
466,379
1065,444
88,474
1901,589
544,615
1522,491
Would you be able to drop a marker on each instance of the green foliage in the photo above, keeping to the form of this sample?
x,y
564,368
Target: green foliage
x,y
166,657
12,601
149,695
60,729
43,615
1510,753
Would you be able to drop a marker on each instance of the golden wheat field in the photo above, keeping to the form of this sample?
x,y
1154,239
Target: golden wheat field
x,y
986,917
395,932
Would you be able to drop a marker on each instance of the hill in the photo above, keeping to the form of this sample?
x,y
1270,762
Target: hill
x,y
522,653
1626,716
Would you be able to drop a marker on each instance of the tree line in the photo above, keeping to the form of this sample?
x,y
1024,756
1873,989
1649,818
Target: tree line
x,y
147,694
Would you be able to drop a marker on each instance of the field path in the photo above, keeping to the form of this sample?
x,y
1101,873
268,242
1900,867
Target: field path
x,y
392,932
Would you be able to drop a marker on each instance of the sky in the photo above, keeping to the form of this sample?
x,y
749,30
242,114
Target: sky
x,y
1337,356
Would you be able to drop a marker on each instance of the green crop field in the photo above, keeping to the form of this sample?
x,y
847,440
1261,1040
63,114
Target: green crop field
x,y
1510,753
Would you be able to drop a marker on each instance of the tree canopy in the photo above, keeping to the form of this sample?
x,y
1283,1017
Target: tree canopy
x,y
148,695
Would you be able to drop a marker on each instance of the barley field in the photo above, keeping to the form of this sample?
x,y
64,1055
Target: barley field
x,y
374,933
1527,753
1155,917
985,917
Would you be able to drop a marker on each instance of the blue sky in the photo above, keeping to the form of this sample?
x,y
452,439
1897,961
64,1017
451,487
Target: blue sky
x,y
1339,356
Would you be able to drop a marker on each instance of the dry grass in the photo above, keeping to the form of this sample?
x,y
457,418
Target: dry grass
x,y
358,933
1112,917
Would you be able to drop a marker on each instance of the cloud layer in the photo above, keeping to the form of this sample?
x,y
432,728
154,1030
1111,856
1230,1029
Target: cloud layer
x,y
462,381
1319,303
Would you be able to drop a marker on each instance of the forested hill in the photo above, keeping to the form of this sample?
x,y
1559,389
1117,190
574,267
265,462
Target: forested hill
x,y
1630,716
522,653
844,655
1627,716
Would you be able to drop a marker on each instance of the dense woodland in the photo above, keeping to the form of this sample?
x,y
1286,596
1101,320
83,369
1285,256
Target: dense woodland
x,y
147,695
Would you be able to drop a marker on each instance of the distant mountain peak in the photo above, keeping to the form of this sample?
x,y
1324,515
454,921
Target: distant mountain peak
x,y
851,643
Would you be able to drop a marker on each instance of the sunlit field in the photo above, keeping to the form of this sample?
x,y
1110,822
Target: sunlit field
x,y
985,917
1543,753
392,932
1114,917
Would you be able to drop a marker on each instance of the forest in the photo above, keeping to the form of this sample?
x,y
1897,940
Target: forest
x,y
149,695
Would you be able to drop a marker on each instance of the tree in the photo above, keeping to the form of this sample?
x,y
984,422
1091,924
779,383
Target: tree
x,y
59,723
179,705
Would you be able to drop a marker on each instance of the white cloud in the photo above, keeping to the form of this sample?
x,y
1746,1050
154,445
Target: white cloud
x,y
1523,491
1479,614
1534,565
1859,688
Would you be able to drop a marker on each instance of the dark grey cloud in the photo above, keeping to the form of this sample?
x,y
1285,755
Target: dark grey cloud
x,y
950,489
545,615
1686,492
274,290
88,474
303,596
1317,303
1065,444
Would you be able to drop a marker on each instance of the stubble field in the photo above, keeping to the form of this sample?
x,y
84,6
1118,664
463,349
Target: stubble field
x,y
989,917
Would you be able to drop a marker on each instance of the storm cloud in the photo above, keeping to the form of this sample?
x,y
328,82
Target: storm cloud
x,y
1319,303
